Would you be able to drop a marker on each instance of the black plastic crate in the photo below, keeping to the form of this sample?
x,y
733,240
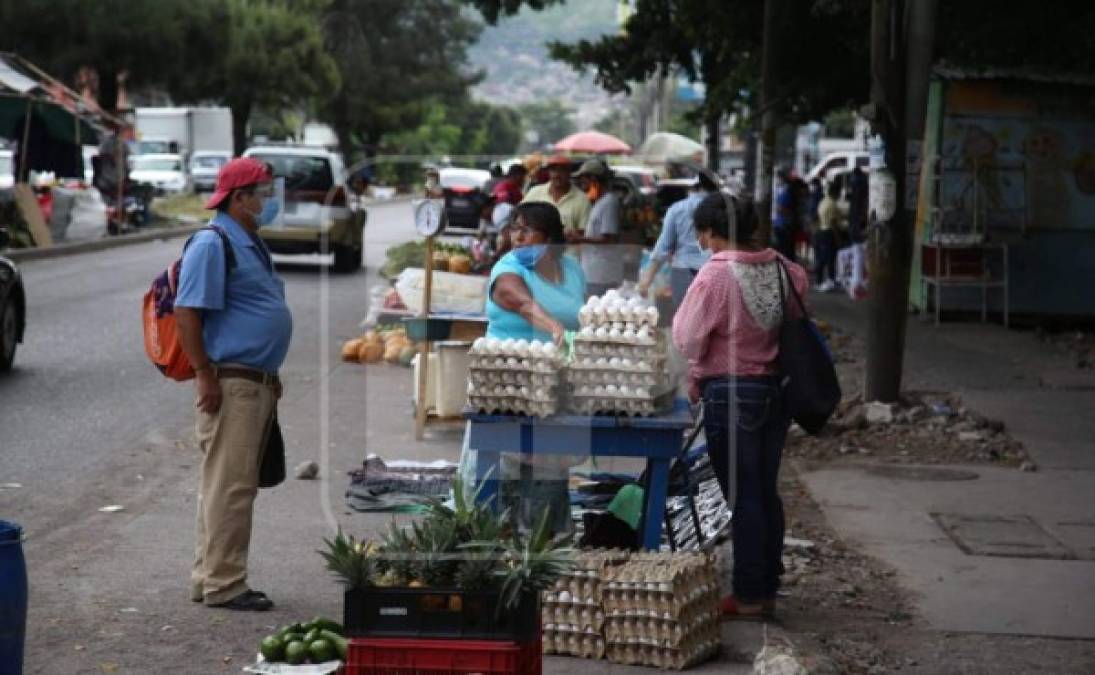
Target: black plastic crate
x,y
438,613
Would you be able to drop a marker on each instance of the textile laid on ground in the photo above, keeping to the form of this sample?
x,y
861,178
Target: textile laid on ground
x,y
399,484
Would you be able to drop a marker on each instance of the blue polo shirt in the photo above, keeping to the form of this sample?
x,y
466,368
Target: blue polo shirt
x,y
245,318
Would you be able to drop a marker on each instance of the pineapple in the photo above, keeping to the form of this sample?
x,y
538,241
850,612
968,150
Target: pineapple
x,y
478,572
349,560
397,556
437,559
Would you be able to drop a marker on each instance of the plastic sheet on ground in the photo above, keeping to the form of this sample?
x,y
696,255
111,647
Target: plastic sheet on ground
x,y
262,667
398,485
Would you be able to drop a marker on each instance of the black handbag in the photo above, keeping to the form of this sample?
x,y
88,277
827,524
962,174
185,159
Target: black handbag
x,y
272,466
808,378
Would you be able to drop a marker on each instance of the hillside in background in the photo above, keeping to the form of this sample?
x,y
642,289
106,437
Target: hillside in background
x,y
518,70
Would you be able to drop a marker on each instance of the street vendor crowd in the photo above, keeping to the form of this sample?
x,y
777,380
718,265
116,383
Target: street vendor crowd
x,y
555,252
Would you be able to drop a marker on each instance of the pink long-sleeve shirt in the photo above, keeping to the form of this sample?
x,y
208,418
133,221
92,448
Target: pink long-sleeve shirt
x,y
728,323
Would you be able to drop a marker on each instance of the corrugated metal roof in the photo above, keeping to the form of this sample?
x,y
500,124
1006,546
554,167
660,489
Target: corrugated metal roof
x,y
951,72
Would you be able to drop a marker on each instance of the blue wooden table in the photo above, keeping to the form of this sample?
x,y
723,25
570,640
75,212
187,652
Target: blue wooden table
x,y
657,439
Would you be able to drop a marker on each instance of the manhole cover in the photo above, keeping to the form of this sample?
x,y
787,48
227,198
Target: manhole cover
x,y
928,473
1002,536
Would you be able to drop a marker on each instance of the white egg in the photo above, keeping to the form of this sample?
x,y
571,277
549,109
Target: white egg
x,y
652,314
601,333
524,392
615,334
629,335
642,392
588,332
635,301
610,390
536,349
478,346
599,390
614,362
585,314
625,363
602,362
625,390
594,301
612,294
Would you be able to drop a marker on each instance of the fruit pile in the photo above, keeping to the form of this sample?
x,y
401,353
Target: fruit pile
x,y
318,641
618,365
384,343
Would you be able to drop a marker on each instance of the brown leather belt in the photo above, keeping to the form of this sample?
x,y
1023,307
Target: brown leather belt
x,y
248,374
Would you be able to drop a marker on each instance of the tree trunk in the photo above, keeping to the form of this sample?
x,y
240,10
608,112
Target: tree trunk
x,y
241,113
773,60
714,141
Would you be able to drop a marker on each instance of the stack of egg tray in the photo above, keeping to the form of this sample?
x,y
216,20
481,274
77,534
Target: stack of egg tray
x,y
610,376
514,377
662,610
572,613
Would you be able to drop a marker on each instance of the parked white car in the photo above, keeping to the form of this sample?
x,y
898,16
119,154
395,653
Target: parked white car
x,y
166,173
204,167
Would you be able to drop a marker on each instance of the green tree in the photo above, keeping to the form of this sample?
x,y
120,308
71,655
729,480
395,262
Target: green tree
x,y
274,58
394,74
549,121
152,43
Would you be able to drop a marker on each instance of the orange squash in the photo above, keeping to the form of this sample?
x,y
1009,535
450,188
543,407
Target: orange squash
x,y
370,352
350,349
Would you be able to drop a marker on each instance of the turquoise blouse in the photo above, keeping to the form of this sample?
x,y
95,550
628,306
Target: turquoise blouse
x,y
562,301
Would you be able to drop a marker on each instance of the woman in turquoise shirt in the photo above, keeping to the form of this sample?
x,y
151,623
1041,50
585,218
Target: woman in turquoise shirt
x,y
535,290
535,293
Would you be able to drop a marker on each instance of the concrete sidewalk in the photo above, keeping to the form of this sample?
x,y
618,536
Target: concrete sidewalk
x,y
985,550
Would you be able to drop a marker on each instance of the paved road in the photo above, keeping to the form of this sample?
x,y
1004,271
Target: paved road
x,y
82,388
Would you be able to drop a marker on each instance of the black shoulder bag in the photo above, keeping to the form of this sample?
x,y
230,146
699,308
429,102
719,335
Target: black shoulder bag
x,y
272,464
810,386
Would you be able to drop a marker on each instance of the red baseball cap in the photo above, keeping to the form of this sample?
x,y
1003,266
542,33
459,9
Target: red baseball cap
x,y
238,173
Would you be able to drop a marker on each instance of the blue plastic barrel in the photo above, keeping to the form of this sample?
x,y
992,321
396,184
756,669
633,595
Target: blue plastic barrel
x,y
13,598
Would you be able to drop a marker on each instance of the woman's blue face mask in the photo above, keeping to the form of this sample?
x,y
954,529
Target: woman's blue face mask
x,y
528,256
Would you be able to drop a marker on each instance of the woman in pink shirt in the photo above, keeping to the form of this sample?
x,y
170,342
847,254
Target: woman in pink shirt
x,y
728,329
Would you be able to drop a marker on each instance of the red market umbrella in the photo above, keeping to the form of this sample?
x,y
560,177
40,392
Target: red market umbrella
x,y
593,142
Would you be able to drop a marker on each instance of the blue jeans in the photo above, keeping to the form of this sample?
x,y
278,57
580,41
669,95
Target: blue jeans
x,y
747,415
824,256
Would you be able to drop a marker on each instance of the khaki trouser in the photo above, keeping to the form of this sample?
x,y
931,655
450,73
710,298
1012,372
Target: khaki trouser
x,y
232,441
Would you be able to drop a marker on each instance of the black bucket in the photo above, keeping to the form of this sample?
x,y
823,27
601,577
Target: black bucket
x,y
13,599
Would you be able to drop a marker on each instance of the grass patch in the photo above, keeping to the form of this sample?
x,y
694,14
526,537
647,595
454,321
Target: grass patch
x,y
181,207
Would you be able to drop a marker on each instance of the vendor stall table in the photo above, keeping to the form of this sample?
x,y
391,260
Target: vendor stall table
x,y
657,439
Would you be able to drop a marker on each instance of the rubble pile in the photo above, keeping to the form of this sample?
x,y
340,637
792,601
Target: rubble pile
x,y
924,428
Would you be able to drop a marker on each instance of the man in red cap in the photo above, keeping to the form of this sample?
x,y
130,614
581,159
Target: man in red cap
x,y
572,203
235,327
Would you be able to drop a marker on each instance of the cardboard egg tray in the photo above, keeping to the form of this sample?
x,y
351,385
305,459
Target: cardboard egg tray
x,y
608,405
616,336
657,657
506,405
520,378
515,363
573,644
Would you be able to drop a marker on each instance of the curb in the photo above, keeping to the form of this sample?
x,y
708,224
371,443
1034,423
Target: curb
x,y
61,250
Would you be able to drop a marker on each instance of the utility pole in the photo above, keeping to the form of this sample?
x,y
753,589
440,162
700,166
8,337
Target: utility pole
x,y
773,62
902,52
